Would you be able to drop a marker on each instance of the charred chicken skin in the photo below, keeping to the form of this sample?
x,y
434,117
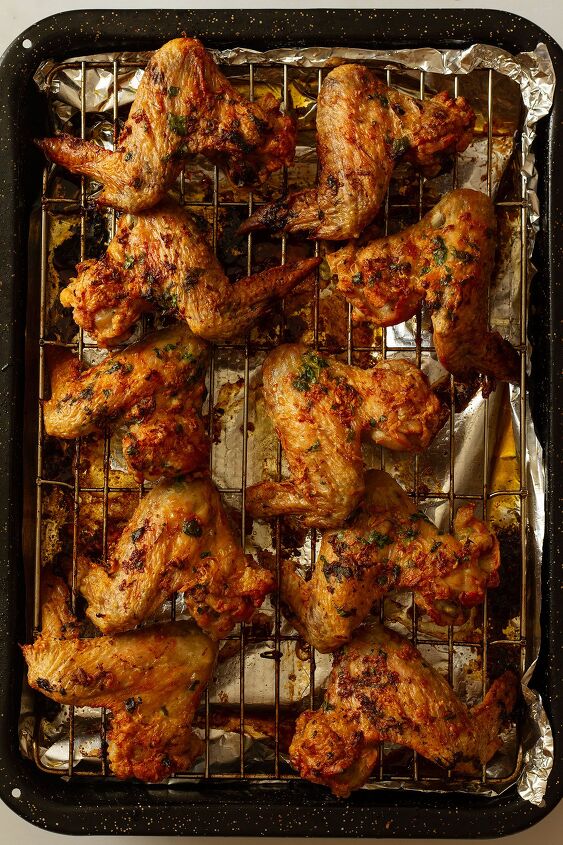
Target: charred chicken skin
x,y
155,387
178,540
151,681
159,258
363,128
321,409
446,260
387,544
184,106
381,688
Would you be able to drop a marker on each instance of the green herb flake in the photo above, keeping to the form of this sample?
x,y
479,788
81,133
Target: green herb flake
x,y
203,555
335,570
373,422
346,613
310,370
129,261
177,124
435,546
173,91
376,538
138,533
463,256
192,527
128,156
357,279
440,251
314,447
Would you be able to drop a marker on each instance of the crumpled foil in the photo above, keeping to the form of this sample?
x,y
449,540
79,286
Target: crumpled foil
x,y
522,95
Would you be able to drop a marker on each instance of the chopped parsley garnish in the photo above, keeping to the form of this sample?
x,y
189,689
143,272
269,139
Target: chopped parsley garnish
x,y
309,372
376,538
129,261
440,251
173,91
314,447
177,124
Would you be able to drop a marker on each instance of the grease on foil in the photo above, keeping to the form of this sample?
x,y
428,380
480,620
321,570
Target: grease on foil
x,y
523,94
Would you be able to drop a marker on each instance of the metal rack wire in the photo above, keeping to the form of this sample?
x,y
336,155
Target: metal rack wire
x,y
247,350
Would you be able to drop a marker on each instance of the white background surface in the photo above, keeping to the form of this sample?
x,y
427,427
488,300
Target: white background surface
x,y
15,16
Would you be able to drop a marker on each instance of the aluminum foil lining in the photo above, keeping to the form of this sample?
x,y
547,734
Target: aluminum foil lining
x,y
523,94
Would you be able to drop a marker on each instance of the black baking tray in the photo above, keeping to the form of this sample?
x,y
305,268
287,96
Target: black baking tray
x,y
245,807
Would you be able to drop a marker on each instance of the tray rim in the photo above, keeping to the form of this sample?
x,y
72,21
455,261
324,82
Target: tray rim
x,y
243,807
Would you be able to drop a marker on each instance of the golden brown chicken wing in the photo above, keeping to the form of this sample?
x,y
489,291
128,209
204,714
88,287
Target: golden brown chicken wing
x,y
380,688
321,409
363,128
447,260
156,387
151,681
178,540
184,106
387,544
159,258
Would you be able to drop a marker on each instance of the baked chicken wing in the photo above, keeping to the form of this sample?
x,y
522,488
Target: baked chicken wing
x,y
151,681
184,105
159,258
178,540
446,260
387,544
155,387
363,128
381,688
321,409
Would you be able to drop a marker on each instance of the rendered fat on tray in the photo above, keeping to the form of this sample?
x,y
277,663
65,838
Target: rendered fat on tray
x,y
330,326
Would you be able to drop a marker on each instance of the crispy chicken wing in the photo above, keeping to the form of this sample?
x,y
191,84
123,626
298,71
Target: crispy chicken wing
x,y
151,681
178,540
447,260
184,106
321,408
156,387
387,544
363,128
159,258
381,688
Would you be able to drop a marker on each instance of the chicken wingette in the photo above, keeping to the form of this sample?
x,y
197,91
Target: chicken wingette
x,y
178,540
321,409
388,544
155,387
381,688
363,128
160,259
445,260
184,106
151,681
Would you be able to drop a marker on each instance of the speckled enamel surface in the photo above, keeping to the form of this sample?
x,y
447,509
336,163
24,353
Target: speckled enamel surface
x,y
249,808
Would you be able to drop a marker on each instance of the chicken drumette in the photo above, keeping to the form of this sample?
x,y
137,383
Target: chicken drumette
x,y
321,408
363,128
151,681
178,540
184,106
159,258
446,260
155,387
387,544
381,688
